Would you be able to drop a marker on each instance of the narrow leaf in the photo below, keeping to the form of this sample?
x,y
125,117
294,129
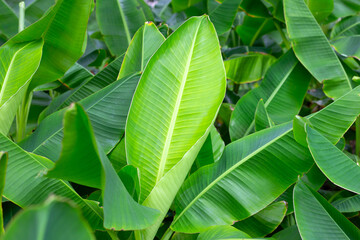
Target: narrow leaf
x,y
108,120
19,63
144,44
262,119
313,49
338,167
3,166
283,90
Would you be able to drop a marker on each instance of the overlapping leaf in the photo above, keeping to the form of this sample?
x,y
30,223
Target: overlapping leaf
x,y
173,108
19,63
119,20
312,211
283,90
25,184
313,49
260,166
107,111
144,44
338,167
92,168
105,77
51,220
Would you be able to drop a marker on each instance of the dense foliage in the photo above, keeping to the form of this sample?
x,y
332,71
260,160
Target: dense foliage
x,y
182,119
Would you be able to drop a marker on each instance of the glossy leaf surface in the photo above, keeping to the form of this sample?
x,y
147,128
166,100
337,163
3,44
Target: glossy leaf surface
x,y
19,63
92,168
313,211
53,220
283,90
313,49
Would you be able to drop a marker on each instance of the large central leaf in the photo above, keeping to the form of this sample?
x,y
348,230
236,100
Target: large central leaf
x,y
173,108
175,102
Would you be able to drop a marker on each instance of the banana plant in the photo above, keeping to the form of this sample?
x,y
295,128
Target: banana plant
x,y
211,119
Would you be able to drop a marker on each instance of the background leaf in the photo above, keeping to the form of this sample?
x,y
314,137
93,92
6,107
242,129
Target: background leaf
x,y
53,220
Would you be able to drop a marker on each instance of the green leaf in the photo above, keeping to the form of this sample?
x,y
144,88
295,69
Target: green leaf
x,y
313,49
19,62
263,222
118,21
299,124
348,46
144,44
108,120
37,9
344,8
320,9
248,67
348,205
262,119
117,156
55,219
222,232
3,165
288,233
317,219
253,28
254,8
25,184
212,149
129,175
179,5
223,15
83,162
338,167
8,20
105,77
346,27
283,90
174,105
262,164
75,76
63,30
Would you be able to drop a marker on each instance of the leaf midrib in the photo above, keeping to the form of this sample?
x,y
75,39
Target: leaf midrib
x,y
127,32
327,213
205,190
176,111
6,80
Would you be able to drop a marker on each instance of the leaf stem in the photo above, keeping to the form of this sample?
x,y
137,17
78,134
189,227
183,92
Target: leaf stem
x,y
137,234
21,16
285,40
112,234
167,234
22,117
357,144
